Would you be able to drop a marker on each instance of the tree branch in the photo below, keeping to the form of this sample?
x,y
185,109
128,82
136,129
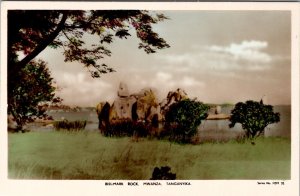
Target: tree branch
x,y
44,43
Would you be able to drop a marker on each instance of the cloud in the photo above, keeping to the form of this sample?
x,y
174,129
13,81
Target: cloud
x,y
246,55
162,76
191,82
178,58
246,50
71,79
81,89
163,79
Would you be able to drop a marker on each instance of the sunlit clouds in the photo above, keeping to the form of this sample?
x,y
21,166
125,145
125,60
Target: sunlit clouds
x,y
247,55
247,50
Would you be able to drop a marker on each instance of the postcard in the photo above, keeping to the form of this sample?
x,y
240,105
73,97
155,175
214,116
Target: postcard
x,y
147,98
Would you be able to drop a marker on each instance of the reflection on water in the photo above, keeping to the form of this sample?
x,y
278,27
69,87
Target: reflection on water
x,y
209,129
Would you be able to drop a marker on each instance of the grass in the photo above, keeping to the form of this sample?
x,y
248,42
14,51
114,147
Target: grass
x,y
89,155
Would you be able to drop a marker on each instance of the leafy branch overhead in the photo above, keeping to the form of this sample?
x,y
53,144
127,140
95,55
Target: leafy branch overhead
x,y
31,31
30,86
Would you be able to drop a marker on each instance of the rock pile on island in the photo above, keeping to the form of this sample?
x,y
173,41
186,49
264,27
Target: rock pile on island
x,y
142,106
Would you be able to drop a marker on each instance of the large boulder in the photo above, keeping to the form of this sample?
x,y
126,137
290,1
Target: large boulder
x,y
99,107
172,97
154,114
103,111
147,105
122,109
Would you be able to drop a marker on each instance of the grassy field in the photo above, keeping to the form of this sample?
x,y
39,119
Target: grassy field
x,y
89,155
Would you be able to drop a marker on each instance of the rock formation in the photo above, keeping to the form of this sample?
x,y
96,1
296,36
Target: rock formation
x,y
218,109
122,108
141,106
146,105
123,90
103,111
172,97
215,113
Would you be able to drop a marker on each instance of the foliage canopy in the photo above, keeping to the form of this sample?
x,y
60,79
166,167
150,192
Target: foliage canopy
x,y
254,117
31,31
27,98
184,117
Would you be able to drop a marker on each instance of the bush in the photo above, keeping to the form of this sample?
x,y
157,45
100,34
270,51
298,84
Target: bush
x,y
127,128
163,174
70,125
254,117
183,119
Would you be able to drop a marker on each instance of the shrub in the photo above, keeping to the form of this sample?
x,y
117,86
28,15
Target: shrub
x,y
183,118
127,128
254,117
70,125
163,174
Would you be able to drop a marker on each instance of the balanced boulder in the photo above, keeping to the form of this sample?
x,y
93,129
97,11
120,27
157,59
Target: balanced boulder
x,y
145,101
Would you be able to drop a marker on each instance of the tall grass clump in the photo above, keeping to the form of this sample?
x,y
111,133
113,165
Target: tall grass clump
x,y
127,128
70,125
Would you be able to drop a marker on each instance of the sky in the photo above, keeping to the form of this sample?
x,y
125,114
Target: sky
x,y
216,56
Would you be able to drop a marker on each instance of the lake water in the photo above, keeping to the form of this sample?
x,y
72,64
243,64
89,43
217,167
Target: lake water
x,y
209,129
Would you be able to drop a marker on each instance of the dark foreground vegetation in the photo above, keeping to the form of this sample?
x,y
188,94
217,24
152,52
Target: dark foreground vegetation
x,y
70,125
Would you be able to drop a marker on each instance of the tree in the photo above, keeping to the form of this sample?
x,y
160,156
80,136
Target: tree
x,y
254,117
29,96
184,117
31,31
